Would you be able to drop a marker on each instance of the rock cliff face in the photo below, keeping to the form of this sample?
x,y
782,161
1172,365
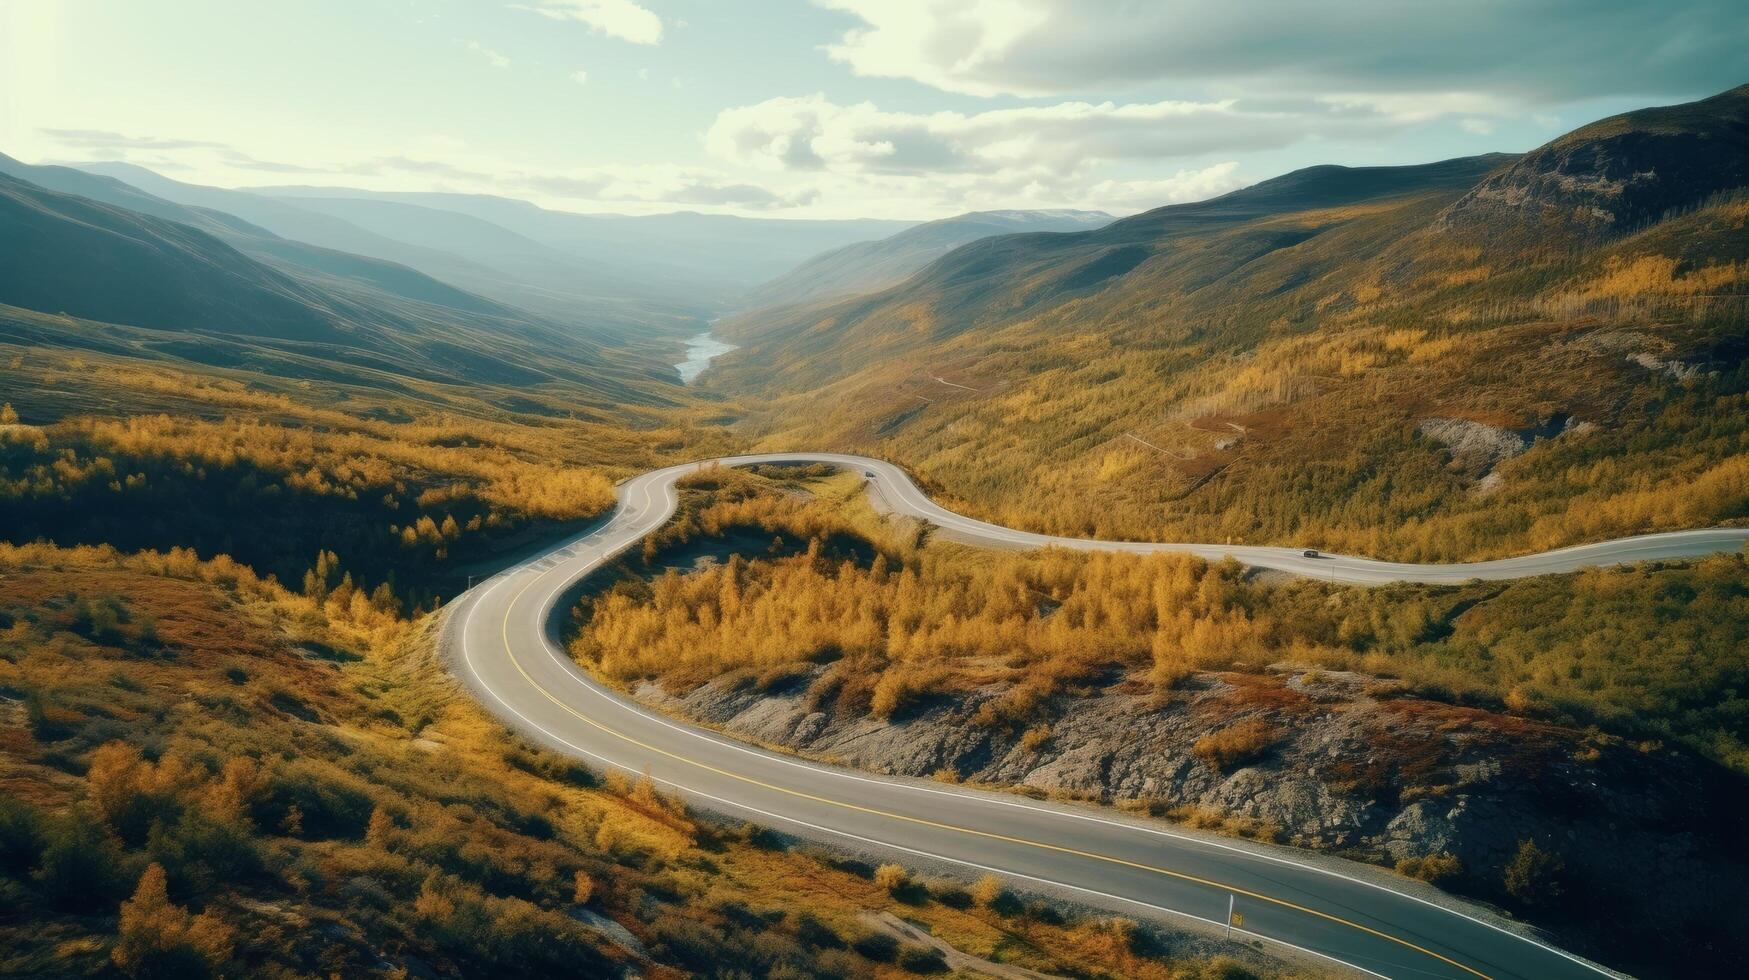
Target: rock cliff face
x,y
1335,762
1615,175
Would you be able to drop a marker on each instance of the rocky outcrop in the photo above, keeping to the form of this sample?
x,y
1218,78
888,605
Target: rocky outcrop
x,y
1476,447
1355,766
1612,176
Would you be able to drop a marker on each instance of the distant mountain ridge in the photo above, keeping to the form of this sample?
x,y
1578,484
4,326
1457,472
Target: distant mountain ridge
x,y
704,260
150,286
866,267
631,277
62,253
319,255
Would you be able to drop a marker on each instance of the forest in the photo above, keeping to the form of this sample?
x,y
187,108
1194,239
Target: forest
x,y
207,774
1646,652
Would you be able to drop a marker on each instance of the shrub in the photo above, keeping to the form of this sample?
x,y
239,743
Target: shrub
x,y
1236,744
891,877
380,828
1533,876
582,887
21,835
989,891
132,794
1431,868
202,851
877,946
923,959
81,868
1035,738
304,803
814,934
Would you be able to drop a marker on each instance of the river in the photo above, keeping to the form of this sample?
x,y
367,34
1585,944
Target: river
x,y
699,352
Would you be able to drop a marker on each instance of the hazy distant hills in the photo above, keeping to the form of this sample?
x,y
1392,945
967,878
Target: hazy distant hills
x,y
232,217
1305,360
62,253
628,277
149,286
867,267
697,262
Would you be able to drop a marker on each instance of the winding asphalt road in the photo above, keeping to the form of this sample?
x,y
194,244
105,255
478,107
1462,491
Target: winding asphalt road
x,y
502,638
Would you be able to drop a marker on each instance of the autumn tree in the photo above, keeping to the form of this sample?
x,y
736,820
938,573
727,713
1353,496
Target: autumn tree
x,y
158,938
1533,876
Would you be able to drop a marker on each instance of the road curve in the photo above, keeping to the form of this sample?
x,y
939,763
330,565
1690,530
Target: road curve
x,y
502,638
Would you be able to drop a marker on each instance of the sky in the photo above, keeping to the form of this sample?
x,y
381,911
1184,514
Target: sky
x,y
830,108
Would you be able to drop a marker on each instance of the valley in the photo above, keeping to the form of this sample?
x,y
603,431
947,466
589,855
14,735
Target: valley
x,y
905,533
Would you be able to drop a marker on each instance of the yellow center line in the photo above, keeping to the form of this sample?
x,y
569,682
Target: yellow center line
x,y
924,822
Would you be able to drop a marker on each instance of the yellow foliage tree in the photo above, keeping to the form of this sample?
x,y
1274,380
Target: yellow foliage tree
x,y
158,938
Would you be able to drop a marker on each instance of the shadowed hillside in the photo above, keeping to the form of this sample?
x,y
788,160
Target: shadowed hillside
x,y
314,249
1614,176
71,256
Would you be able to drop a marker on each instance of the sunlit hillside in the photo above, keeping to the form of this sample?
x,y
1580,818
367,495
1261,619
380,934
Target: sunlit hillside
x,y
1401,362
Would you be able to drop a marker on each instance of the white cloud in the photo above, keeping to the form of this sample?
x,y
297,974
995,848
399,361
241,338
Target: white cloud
x,y
1060,155
1531,50
580,76
616,18
1480,127
812,133
492,57
1180,188
653,184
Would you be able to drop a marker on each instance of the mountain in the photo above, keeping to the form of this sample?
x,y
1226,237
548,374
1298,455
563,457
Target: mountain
x,y
308,257
999,279
866,267
63,253
711,259
1615,175
156,287
624,276
481,257
1470,358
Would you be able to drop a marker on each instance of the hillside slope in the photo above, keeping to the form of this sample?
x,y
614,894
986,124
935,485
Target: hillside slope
x,y
209,775
61,253
1376,360
1615,175
867,267
172,289
335,255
